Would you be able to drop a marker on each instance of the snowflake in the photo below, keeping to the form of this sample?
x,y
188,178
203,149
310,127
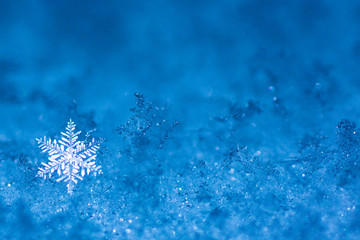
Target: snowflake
x,y
70,158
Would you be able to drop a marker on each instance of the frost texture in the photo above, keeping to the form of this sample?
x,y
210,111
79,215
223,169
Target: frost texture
x,y
147,130
70,158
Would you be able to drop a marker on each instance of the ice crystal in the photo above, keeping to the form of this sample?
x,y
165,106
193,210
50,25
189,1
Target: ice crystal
x,y
70,158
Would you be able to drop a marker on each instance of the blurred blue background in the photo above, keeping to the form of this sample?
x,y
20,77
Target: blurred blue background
x,y
175,48
274,80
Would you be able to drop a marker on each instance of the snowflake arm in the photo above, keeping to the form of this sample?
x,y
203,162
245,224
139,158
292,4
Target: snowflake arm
x,y
69,157
88,155
55,151
46,145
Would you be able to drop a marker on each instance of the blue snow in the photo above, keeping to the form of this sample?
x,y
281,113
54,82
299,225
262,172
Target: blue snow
x,y
230,119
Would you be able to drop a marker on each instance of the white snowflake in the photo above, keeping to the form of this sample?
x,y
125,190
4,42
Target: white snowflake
x,y
70,158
